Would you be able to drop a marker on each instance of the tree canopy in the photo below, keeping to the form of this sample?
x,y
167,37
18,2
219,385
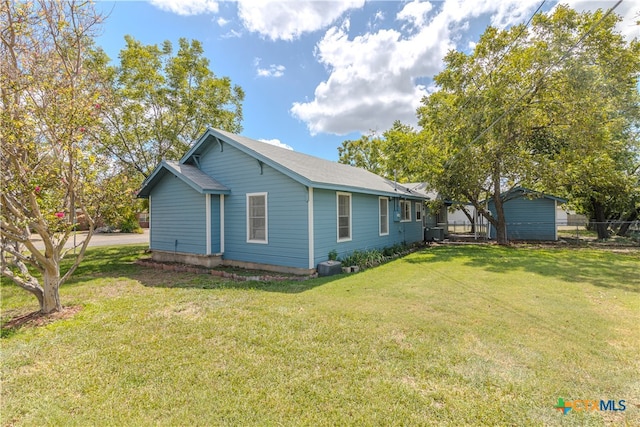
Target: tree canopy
x,y
161,102
553,107
389,155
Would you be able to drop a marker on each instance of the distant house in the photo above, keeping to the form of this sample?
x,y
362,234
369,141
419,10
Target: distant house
x,y
530,215
434,221
236,201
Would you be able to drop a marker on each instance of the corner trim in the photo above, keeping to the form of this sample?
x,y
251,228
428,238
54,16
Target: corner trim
x,y
207,212
222,223
310,228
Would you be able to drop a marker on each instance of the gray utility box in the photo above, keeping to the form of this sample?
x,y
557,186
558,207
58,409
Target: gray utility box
x,y
434,233
329,268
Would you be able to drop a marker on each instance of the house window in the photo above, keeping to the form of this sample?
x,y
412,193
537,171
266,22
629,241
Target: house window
x,y
257,231
405,210
418,211
384,216
344,217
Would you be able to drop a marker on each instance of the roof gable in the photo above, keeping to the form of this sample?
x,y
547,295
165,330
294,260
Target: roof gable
x,y
308,170
191,175
518,192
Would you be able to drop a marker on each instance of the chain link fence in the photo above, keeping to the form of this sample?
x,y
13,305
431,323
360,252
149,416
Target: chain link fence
x,y
573,230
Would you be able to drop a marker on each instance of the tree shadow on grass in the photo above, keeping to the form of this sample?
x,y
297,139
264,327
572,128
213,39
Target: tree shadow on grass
x,y
120,261
605,268
113,260
185,280
36,319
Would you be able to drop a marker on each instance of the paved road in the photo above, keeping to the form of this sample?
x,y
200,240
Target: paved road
x,y
103,239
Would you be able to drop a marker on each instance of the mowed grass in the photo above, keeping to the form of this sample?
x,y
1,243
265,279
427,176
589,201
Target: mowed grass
x,y
451,335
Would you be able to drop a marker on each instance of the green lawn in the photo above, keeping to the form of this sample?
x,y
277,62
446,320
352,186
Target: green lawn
x,y
452,335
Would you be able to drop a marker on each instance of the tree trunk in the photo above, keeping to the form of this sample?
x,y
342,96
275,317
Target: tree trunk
x,y
601,219
50,301
624,228
471,219
501,231
501,222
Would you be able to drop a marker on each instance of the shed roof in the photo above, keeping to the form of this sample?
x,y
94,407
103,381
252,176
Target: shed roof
x,y
517,192
308,170
191,175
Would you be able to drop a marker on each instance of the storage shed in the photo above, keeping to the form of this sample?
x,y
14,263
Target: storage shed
x,y
530,215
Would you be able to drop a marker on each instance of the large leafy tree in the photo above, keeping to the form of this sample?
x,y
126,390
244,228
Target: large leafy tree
x,y
390,154
50,94
472,151
591,116
163,101
364,152
551,107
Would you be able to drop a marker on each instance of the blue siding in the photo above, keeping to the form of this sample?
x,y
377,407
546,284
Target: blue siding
x,y
365,225
528,219
286,208
173,226
215,224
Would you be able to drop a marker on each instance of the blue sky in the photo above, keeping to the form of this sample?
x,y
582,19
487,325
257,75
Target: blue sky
x,y
318,73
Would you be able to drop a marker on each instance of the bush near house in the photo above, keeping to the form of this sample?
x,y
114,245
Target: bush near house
x,y
374,257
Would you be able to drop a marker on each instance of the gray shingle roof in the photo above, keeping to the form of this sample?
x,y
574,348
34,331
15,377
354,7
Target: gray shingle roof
x,y
308,169
190,174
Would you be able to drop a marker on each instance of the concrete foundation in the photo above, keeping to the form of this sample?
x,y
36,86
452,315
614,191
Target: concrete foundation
x,y
209,261
269,267
216,260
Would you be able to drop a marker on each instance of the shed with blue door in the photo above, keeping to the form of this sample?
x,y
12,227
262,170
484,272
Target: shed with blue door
x,y
236,201
530,215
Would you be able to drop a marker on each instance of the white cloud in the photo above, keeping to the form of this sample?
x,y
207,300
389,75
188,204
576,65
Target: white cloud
x,y
222,22
372,77
272,70
277,143
187,7
377,18
627,10
415,12
232,34
288,20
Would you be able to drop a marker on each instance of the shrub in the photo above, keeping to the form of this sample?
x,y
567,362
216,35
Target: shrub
x,y
130,225
373,257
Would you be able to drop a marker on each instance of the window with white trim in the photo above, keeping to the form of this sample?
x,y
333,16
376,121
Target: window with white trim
x,y
405,210
383,203
418,211
257,223
344,216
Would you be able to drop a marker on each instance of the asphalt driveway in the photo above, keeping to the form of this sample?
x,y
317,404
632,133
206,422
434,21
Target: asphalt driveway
x,y
102,239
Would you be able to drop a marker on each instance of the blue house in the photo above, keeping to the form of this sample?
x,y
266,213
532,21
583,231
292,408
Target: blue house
x,y
235,201
530,215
